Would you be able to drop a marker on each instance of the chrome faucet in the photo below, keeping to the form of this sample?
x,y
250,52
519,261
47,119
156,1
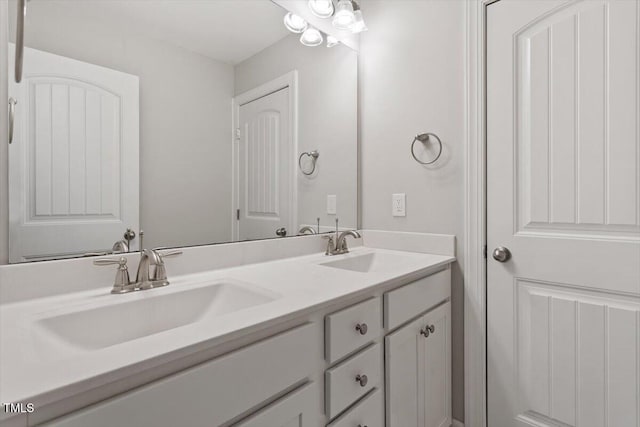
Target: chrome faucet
x,y
306,230
148,258
145,279
339,247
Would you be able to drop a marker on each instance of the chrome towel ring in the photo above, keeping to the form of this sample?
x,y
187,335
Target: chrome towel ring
x,y
314,158
424,138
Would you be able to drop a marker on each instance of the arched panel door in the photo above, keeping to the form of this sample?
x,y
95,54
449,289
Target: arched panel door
x,y
563,199
74,168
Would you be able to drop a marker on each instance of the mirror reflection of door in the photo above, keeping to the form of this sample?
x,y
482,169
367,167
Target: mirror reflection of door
x,y
178,178
265,155
73,182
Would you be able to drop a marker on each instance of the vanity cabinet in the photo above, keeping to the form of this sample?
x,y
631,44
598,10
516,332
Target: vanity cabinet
x,y
297,409
381,361
418,371
218,391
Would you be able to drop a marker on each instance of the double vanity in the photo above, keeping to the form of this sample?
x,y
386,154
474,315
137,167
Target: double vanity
x,y
299,339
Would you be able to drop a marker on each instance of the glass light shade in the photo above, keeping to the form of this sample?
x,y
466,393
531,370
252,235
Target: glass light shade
x,y
358,24
332,41
321,8
344,18
294,23
311,37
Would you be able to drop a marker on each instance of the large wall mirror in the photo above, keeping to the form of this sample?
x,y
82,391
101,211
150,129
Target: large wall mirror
x,y
197,121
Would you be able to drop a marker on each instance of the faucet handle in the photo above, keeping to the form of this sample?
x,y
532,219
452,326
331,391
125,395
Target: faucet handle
x,y
331,244
122,283
168,254
160,274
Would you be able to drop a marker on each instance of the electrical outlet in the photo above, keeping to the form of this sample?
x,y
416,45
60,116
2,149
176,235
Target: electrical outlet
x,y
398,204
331,204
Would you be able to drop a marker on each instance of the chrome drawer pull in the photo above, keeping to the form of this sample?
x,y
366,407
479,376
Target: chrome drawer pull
x,y
362,380
362,328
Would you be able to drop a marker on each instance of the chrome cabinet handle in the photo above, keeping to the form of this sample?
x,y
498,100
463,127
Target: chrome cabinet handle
x,y
22,13
362,380
12,117
281,232
501,254
427,330
362,328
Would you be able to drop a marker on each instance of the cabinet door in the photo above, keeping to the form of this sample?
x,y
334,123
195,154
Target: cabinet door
x,y
436,373
297,409
418,372
404,359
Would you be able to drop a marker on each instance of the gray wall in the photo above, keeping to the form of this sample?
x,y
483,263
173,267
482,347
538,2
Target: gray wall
x,y
412,81
328,114
185,136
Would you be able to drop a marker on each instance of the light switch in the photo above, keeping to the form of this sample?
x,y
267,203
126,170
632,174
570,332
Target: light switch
x,y
331,204
398,204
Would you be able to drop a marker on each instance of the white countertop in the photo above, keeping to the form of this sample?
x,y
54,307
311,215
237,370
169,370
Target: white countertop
x,y
39,369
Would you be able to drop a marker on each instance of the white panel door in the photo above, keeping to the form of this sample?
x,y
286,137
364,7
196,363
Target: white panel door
x,y
264,171
563,170
418,372
73,164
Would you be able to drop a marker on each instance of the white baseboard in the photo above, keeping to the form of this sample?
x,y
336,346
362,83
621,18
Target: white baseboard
x,y
457,423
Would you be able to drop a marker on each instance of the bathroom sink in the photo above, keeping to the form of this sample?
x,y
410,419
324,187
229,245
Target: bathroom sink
x,y
374,262
149,314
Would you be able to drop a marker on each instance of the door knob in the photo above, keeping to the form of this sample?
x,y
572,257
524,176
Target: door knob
x,y
129,235
281,232
501,254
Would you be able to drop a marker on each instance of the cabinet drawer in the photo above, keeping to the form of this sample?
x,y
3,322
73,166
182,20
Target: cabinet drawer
x,y
368,412
299,408
352,328
407,302
213,392
344,383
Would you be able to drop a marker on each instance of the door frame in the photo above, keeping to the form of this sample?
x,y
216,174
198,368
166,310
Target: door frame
x,y
475,228
289,80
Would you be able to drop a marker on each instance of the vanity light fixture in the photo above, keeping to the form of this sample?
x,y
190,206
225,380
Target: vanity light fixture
x,y
311,37
332,41
344,17
358,25
321,8
294,23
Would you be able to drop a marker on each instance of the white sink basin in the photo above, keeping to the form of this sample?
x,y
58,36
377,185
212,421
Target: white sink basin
x,y
373,262
107,325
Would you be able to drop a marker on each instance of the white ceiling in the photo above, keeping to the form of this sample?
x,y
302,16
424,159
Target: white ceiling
x,y
226,30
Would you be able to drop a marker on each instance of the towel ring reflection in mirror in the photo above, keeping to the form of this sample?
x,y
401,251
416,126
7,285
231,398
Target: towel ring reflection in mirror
x,y
314,158
424,138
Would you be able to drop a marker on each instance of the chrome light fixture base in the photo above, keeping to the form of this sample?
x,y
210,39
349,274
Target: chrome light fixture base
x,y
321,8
294,23
311,37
